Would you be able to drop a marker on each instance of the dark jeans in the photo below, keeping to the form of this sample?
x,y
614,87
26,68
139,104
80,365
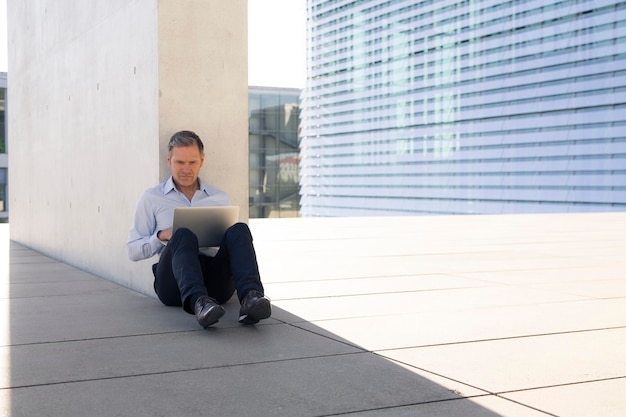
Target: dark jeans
x,y
183,274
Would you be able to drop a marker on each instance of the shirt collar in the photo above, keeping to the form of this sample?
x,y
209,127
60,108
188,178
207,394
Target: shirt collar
x,y
168,186
204,187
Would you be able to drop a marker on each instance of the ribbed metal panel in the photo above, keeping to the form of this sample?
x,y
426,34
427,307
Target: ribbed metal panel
x,y
430,107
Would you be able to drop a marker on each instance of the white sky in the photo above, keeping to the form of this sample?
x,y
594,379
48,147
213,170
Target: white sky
x,y
276,42
3,36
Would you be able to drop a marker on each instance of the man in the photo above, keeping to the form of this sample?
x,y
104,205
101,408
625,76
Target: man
x,y
198,279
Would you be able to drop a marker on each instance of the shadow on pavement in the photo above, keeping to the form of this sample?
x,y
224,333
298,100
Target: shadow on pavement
x,y
76,344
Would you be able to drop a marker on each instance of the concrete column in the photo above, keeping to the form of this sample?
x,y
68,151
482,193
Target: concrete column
x,y
96,90
203,86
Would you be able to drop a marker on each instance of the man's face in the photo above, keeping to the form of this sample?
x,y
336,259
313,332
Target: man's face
x,y
185,163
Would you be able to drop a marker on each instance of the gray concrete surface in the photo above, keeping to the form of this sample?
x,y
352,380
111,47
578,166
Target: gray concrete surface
x,y
115,79
485,316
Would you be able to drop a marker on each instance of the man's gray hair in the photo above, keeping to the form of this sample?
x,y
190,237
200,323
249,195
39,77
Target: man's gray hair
x,y
185,138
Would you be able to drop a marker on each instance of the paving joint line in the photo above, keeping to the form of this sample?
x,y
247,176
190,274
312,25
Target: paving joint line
x,y
175,371
503,338
527,406
123,336
565,384
347,343
432,274
391,407
378,293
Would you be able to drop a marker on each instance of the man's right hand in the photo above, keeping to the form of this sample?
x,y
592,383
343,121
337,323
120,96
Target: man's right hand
x,y
165,234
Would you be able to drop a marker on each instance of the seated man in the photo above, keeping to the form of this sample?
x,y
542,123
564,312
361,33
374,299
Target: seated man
x,y
186,275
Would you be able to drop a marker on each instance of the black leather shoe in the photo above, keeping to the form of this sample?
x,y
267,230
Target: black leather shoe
x,y
254,307
207,311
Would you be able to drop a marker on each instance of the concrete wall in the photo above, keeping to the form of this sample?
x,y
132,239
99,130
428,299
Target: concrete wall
x,y
96,90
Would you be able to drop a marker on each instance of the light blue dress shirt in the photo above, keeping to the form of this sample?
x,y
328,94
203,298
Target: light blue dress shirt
x,y
155,212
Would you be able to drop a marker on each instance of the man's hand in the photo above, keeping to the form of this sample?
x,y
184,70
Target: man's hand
x,y
165,235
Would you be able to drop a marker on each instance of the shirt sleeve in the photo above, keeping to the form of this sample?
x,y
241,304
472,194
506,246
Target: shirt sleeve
x,y
143,242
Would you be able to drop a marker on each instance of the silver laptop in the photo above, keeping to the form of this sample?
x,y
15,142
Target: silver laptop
x,y
208,223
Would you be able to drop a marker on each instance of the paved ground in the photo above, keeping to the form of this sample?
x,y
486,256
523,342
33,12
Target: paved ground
x,y
435,316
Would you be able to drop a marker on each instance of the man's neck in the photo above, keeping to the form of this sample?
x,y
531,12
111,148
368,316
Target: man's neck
x,y
188,191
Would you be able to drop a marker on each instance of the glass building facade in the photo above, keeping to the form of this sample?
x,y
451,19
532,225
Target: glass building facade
x,y
432,107
4,160
273,131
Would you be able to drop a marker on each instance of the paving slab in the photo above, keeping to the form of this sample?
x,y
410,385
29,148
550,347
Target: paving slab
x,y
520,315
610,271
47,276
75,317
484,406
39,268
368,285
418,301
507,261
600,398
475,324
459,388
303,387
110,357
112,313
602,289
57,287
345,265
503,365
